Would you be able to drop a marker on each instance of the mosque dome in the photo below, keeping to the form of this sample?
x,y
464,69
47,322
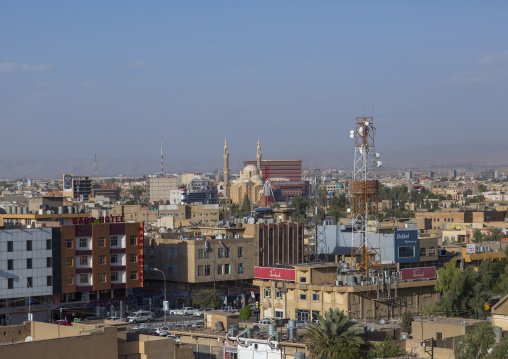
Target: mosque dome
x,y
251,169
339,186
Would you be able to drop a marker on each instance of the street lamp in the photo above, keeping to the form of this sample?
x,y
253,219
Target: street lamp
x,y
29,301
158,270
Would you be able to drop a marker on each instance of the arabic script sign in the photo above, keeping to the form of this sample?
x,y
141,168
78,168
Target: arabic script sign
x,y
274,273
418,273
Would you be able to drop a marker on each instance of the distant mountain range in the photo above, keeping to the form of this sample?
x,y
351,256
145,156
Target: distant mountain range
x,y
467,156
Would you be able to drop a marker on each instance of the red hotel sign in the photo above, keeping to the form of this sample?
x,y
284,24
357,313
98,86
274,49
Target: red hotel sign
x,y
418,273
97,220
274,273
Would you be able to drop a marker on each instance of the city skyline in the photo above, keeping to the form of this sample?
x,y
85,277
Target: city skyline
x,y
78,80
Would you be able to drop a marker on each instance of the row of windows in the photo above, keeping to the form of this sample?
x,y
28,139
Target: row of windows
x,y
84,278
101,242
10,263
423,252
29,281
278,295
83,260
221,253
10,245
205,270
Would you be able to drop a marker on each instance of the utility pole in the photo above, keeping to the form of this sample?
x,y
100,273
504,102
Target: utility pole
x,y
165,299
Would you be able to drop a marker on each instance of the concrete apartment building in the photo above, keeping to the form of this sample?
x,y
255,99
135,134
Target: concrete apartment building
x,y
158,188
306,290
185,214
436,220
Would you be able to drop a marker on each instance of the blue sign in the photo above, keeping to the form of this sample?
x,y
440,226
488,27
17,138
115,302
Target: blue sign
x,y
406,246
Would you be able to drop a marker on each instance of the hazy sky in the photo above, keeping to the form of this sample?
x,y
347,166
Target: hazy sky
x,y
118,77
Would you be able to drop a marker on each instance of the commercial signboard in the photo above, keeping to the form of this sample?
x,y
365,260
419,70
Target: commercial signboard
x,y
471,248
67,182
274,273
406,246
418,273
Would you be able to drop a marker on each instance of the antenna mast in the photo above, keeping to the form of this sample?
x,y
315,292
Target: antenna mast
x,y
162,159
319,211
96,168
364,192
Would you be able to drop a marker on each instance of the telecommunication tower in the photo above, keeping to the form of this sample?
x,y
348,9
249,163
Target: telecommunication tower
x,y
96,168
318,209
267,190
162,159
364,193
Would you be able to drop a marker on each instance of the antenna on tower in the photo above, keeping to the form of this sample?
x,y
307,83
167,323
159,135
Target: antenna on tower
x,y
364,193
267,191
319,214
96,168
162,159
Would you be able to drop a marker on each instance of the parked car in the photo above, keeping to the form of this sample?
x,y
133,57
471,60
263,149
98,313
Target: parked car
x,y
201,312
228,309
140,316
117,319
265,321
189,311
175,338
63,322
301,323
176,312
161,332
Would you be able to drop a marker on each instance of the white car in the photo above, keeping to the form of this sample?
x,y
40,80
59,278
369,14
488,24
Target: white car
x,y
189,311
176,312
175,338
265,321
161,332
201,312
140,316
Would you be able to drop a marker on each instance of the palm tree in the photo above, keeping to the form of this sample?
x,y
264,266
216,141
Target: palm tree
x,y
334,336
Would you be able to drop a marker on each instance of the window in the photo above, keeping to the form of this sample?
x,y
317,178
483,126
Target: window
x,y
240,252
101,242
68,262
28,245
133,258
29,282
315,297
227,252
68,243
439,336
201,253
83,278
432,251
133,240
29,263
221,253
279,314
227,268
423,252
69,280
83,260
102,259
114,276
114,258
48,244
82,243
114,241
207,254
175,269
240,268
303,296
219,268
134,274
102,277
201,270
49,262
267,293
169,270
303,279
10,246
278,294
10,283
10,264
49,281
207,269
406,252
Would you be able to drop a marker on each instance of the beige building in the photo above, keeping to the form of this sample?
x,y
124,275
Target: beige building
x,y
187,214
158,188
315,290
500,314
105,340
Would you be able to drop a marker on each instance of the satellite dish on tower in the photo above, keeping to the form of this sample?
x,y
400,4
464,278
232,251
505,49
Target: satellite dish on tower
x,y
29,339
161,230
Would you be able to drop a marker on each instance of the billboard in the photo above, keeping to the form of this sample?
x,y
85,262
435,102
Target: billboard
x,y
67,183
274,273
471,248
418,273
406,246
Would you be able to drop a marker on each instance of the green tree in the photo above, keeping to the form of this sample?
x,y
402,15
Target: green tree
x,y
246,312
207,298
467,192
137,192
477,236
385,349
446,275
334,336
246,204
495,234
482,188
475,344
300,205
407,319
